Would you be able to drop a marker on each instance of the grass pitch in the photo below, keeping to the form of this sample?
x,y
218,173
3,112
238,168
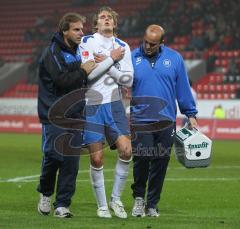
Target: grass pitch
x,y
192,198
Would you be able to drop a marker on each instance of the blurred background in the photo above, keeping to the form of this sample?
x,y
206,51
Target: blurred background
x,y
205,32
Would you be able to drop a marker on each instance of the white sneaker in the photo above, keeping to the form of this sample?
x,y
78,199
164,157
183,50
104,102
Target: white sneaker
x,y
152,212
103,212
139,207
62,212
44,205
117,207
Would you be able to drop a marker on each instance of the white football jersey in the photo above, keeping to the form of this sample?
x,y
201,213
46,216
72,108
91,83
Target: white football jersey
x,y
104,84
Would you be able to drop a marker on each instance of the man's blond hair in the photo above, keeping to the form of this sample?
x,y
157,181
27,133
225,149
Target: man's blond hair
x,y
112,12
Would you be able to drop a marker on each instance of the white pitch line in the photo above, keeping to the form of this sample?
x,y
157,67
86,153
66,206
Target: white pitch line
x,y
167,179
211,167
180,179
25,178
17,179
203,179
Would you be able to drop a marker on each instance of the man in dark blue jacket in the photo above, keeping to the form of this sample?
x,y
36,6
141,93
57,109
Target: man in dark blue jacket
x,y
159,80
60,74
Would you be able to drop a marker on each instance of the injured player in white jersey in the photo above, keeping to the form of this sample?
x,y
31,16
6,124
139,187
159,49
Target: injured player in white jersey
x,y
105,113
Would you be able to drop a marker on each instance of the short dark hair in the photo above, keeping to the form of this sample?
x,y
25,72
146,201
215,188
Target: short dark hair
x,y
68,18
111,11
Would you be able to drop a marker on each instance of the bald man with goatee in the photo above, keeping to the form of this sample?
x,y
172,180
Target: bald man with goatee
x,y
160,78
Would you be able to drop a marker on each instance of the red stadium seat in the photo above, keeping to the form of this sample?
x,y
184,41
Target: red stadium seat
x,y
226,87
233,95
212,88
236,53
205,88
226,96
230,54
213,79
206,96
200,96
221,63
219,96
223,54
219,78
219,88
212,96
199,88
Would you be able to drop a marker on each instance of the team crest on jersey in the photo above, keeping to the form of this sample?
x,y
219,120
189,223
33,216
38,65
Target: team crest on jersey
x,y
85,54
167,63
117,66
138,60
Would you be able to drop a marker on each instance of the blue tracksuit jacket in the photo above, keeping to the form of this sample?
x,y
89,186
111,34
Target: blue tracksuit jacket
x,y
157,86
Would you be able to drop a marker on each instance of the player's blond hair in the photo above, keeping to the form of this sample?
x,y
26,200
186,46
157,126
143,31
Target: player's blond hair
x,y
112,12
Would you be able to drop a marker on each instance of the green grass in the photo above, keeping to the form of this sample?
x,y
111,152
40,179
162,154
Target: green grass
x,y
192,198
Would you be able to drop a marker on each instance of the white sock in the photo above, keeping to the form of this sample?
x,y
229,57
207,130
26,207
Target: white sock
x,y
97,178
121,173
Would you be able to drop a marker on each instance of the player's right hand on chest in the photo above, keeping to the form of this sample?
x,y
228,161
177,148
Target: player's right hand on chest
x,y
117,54
89,66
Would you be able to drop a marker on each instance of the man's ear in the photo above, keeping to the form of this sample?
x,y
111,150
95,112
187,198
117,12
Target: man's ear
x,y
162,39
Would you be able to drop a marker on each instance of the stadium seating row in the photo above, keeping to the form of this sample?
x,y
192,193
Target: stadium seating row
x,y
219,88
216,96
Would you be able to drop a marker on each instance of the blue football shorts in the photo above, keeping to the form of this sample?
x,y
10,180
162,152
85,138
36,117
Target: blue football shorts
x,y
105,121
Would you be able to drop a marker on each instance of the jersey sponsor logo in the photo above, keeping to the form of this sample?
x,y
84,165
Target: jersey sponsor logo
x,y
138,60
85,54
117,66
167,63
